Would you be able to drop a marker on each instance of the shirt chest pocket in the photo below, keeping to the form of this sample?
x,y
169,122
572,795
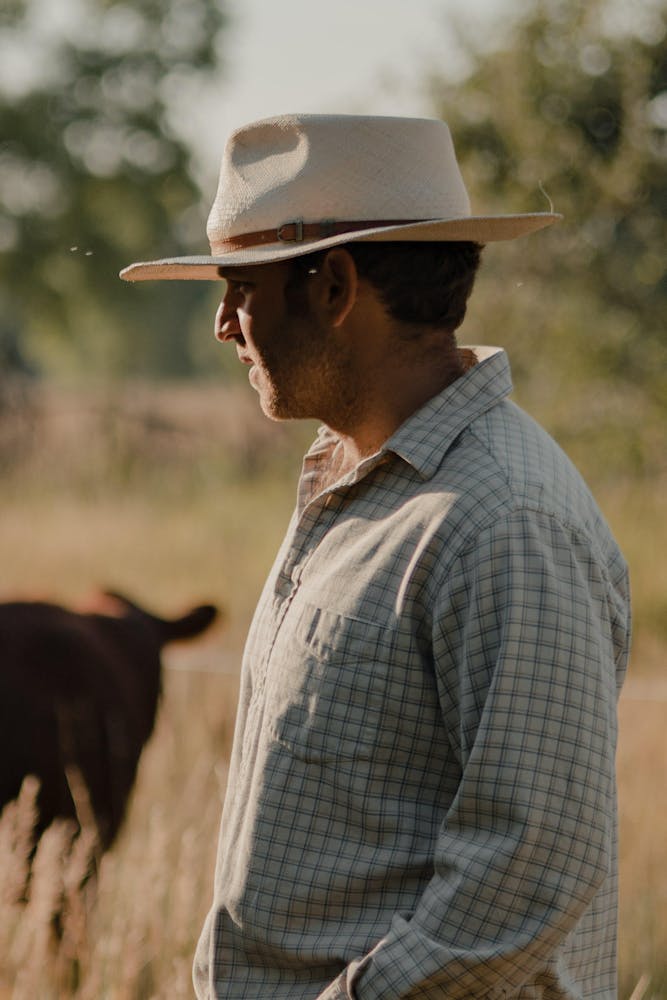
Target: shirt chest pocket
x,y
329,682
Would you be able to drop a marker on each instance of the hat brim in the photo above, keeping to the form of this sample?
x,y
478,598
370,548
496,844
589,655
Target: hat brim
x,y
478,229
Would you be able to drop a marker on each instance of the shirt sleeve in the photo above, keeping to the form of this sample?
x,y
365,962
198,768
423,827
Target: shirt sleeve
x,y
529,635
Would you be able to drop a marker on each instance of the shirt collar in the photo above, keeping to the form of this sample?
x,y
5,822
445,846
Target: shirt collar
x,y
425,437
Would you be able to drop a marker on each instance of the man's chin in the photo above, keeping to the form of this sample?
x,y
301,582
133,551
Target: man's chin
x,y
270,404
273,405
278,409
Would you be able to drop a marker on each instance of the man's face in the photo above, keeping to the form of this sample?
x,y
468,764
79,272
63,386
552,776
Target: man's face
x,y
296,366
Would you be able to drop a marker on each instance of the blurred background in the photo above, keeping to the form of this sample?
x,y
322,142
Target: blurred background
x,y
132,451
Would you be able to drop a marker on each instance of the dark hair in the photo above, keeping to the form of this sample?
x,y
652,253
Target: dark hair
x,y
419,283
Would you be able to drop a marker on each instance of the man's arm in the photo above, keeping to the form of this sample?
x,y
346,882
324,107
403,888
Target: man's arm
x,y
528,637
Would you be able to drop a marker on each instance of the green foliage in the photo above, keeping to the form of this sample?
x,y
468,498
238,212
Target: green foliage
x,y
94,175
572,110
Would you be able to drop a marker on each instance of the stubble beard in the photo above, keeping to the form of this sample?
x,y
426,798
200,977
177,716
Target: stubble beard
x,y
305,376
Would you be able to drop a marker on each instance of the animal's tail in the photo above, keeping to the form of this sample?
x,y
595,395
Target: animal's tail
x,y
171,629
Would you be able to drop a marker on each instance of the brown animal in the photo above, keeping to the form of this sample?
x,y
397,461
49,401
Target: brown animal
x,y
78,700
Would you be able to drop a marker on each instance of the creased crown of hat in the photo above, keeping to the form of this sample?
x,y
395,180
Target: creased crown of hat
x,y
297,183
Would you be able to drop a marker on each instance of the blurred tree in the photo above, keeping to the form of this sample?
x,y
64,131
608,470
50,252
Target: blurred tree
x,y
93,174
572,110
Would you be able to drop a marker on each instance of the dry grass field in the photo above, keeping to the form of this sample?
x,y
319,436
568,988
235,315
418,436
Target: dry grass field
x,y
181,495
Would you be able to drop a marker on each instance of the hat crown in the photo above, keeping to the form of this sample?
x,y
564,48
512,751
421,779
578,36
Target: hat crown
x,y
336,167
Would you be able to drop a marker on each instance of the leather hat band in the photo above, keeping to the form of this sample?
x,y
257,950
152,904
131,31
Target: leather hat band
x,y
297,231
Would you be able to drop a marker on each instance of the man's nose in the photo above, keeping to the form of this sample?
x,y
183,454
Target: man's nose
x,y
226,324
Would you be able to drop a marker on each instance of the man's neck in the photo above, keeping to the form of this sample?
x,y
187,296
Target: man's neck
x,y
397,393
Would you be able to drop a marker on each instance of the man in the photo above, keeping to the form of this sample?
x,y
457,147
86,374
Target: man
x,y
421,799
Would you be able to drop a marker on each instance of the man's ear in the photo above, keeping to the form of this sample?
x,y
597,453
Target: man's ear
x,y
338,285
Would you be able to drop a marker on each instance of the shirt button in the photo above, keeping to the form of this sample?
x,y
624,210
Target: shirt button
x,y
284,586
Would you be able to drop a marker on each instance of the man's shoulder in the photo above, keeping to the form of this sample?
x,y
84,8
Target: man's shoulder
x,y
521,450
504,462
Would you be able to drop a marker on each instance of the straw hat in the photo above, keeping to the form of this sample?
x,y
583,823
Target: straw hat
x,y
297,183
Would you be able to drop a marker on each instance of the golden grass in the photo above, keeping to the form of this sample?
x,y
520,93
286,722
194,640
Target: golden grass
x,y
132,932
642,777
202,522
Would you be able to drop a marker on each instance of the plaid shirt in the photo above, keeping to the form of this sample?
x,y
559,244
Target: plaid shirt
x,y
421,798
